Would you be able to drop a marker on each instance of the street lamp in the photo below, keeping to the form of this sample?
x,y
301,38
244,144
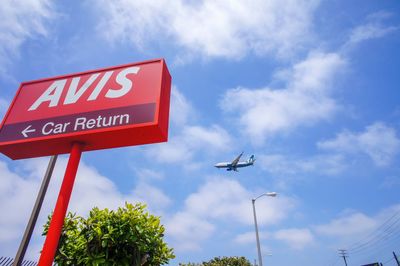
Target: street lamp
x,y
269,194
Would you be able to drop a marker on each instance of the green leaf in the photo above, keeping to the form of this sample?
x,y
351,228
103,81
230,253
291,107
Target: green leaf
x,y
108,237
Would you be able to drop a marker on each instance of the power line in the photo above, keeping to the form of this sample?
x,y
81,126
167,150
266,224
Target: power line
x,y
385,234
386,231
333,261
381,241
379,232
376,230
388,261
377,251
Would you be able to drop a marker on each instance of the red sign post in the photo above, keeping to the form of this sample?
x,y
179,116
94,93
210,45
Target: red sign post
x,y
105,108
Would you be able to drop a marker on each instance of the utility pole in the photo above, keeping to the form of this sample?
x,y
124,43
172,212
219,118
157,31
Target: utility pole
x,y
398,263
343,255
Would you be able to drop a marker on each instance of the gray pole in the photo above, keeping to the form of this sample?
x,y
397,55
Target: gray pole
x,y
345,261
35,213
398,263
258,240
344,255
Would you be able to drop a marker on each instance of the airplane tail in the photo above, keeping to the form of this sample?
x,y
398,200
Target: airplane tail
x,y
251,160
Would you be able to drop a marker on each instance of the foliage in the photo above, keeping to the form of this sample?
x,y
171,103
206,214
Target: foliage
x,y
128,236
224,261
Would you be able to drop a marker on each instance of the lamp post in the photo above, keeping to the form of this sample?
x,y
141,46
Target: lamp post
x,y
269,194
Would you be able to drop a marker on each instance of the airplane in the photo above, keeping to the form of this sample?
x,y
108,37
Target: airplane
x,y
235,164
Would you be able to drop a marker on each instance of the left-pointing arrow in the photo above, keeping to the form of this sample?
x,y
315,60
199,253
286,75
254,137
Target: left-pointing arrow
x,y
27,130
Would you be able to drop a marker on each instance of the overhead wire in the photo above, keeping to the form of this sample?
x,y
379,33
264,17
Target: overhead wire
x,y
334,262
375,252
388,261
372,236
384,235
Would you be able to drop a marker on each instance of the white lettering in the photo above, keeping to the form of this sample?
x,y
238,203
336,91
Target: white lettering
x,y
100,86
126,116
74,93
91,123
60,128
52,94
80,122
126,84
50,128
44,129
99,121
114,119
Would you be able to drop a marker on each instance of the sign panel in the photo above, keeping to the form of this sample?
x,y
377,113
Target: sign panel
x,y
106,108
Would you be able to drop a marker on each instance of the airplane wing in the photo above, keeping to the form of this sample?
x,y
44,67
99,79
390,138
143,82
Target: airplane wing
x,y
235,162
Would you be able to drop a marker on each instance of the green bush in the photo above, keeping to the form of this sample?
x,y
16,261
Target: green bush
x,y
224,261
127,236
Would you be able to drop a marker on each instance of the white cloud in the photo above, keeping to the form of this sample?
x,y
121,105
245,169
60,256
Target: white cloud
x,y
172,151
18,191
12,187
221,199
378,141
213,137
350,224
250,237
152,195
354,229
227,199
245,238
296,238
211,29
3,107
390,182
189,231
181,109
304,101
372,29
282,165
191,140
148,174
21,20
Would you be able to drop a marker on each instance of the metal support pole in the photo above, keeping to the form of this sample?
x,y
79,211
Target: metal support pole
x,y
57,221
19,257
344,255
257,237
398,263
345,261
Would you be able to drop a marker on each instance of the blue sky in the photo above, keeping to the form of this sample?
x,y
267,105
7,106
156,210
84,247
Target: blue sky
x,y
310,87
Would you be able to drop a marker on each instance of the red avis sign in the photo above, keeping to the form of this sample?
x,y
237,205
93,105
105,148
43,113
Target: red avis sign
x,y
106,108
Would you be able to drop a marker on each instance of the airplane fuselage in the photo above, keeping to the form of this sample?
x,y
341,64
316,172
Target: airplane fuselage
x,y
230,167
236,163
